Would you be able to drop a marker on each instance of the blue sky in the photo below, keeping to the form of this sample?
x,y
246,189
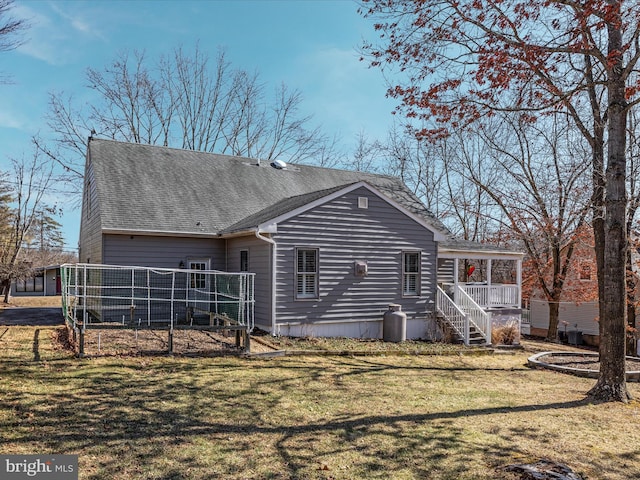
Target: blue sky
x,y
309,45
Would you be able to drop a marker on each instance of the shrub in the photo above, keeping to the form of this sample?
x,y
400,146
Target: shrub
x,y
506,334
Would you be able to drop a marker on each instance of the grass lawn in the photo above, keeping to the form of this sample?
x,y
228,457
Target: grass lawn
x,y
305,417
35,301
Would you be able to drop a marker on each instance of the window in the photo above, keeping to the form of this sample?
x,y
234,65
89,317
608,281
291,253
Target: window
x,y
411,273
306,273
198,280
244,260
32,284
585,271
363,202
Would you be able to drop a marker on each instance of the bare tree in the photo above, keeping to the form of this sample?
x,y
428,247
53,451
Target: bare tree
x,y
130,109
468,169
433,172
366,154
22,201
541,187
185,101
467,59
201,97
419,165
11,29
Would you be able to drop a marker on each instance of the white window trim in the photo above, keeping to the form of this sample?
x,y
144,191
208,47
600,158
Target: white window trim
x,y
192,276
316,276
405,274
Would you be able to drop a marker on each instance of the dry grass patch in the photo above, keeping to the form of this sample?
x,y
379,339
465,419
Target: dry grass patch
x,y
340,344
400,417
39,301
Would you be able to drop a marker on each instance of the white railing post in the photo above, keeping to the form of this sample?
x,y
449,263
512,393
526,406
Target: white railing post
x,y
84,295
148,297
467,331
173,289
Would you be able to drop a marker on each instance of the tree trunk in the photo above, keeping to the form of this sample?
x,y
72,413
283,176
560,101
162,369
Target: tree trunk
x,y
552,333
6,290
612,385
597,206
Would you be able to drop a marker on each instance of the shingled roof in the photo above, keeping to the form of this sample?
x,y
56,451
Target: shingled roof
x,y
148,188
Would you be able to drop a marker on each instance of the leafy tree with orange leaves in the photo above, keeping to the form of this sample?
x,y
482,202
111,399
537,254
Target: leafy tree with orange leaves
x,y
467,59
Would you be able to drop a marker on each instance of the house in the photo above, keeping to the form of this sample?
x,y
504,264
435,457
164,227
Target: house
x,y
44,281
578,305
330,249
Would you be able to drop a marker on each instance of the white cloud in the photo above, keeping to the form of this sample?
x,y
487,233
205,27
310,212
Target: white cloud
x,y
54,35
11,120
79,20
347,94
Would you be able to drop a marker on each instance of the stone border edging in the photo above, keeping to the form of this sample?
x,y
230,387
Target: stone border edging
x,y
534,361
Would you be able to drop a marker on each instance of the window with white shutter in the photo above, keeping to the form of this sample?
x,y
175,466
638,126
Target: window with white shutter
x,y
306,273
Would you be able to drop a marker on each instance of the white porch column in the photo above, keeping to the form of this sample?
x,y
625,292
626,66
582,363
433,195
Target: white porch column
x,y
519,280
489,272
455,279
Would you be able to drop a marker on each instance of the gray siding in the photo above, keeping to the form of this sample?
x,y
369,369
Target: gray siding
x,y
579,316
163,252
49,285
446,270
260,264
344,233
90,242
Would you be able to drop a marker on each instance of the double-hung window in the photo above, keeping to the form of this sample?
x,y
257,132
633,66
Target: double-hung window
x,y
411,274
306,273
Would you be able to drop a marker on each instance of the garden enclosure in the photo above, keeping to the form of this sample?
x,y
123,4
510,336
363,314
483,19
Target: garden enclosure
x,y
131,297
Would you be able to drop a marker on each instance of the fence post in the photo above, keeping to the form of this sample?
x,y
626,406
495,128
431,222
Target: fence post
x,y
247,342
170,340
81,344
81,332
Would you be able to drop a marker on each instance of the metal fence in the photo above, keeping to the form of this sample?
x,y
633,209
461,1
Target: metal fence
x,y
108,296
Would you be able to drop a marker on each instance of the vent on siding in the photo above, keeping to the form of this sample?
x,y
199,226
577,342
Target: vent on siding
x,y
363,202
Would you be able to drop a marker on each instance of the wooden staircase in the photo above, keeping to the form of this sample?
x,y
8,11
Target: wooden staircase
x,y
463,320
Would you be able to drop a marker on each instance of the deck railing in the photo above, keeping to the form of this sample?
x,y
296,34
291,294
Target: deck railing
x,y
477,316
498,295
